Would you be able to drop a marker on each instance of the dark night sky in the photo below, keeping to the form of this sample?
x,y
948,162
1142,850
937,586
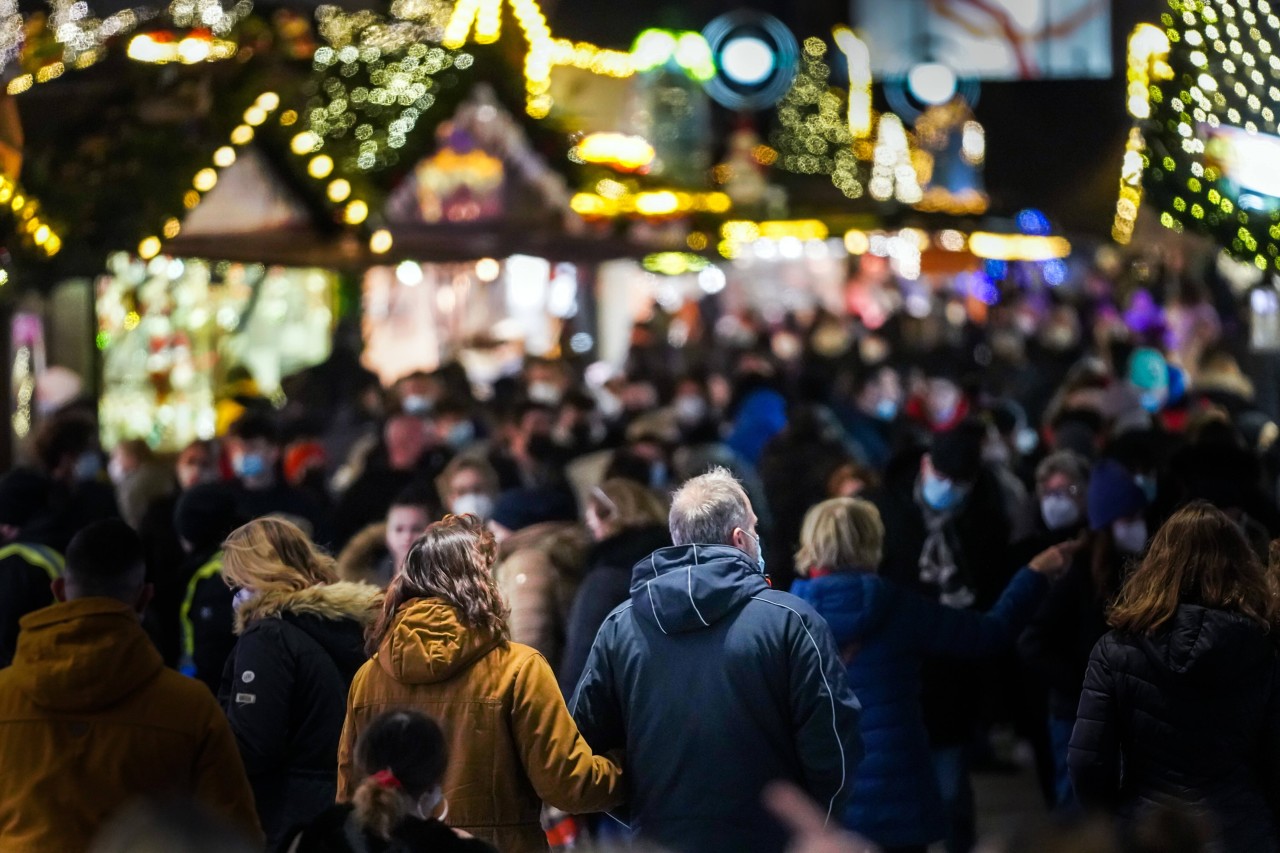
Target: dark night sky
x,y
1053,144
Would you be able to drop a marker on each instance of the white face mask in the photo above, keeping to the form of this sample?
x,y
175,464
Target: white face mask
x,y
544,392
473,503
690,410
1059,511
429,801
1130,536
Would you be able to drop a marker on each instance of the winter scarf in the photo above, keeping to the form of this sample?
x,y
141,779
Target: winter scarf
x,y
937,561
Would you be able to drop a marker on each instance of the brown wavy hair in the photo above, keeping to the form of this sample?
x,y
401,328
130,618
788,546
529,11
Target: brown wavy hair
x,y
452,561
271,554
1198,557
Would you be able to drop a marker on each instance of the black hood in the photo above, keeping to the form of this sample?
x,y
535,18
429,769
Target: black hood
x,y
626,548
690,587
343,639
1203,643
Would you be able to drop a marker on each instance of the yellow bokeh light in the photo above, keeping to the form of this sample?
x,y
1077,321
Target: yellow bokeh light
x,y
149,248
224,156
268,101
304,143
380,242
242,135
205,180
255,116
320,166
355,212
172,227
339,190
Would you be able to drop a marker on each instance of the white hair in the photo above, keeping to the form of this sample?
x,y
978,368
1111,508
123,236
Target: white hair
x,y
708,508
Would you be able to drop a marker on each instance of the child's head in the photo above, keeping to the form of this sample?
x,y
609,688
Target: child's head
x,y
402,757
408,517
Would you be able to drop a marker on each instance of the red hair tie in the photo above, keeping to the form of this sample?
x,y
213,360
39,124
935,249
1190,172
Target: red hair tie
x,y
386,779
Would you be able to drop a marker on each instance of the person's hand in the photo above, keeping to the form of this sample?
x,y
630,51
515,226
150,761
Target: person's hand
x,y
807,824
1052,562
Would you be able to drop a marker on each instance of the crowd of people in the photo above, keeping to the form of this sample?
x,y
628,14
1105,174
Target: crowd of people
x,y
796,595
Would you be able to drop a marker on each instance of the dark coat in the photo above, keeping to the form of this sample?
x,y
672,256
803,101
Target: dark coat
x,y
285,693
26,571
1190,714
206,618
331,833
886,631
716,685
979,539
606,584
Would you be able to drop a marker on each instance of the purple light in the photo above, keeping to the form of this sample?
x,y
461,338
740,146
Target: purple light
x,y
1054,272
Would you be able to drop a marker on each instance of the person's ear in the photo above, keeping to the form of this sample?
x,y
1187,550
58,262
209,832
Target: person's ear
x,y
144,598
59,588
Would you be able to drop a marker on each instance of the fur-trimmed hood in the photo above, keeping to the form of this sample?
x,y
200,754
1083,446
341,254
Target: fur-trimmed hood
x,y
358,561
342,600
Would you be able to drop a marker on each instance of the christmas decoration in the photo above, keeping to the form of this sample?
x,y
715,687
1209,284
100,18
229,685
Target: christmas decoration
x,y
1204,152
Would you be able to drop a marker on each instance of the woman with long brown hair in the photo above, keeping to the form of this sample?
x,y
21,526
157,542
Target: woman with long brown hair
x,y
1181,700
442,646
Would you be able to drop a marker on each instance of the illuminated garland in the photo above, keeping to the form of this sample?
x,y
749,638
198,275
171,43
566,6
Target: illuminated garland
x,y
1221,72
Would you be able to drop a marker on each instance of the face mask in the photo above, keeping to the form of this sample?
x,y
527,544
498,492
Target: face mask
x,y
250,465
87,467
427,804
659,476
115,470
690,411
759,554
473,503
608,405
996,451
461,434
545,393
941,494
943,410
416,404
241,596
1148,486
1130,536
1151,401
886,409
1026,440
1059,512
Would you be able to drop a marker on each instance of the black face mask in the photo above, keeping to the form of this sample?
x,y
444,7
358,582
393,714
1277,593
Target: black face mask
x,y
543,448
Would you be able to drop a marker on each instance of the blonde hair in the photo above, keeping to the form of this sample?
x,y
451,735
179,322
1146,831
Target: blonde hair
x,y
841,533
624,504
270,554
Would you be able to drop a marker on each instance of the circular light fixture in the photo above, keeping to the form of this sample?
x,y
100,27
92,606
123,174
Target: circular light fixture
x,y
488,269
932,83
747,60
755,56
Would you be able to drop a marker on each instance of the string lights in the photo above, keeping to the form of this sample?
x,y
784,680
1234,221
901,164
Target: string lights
x,y
32,228
1202,92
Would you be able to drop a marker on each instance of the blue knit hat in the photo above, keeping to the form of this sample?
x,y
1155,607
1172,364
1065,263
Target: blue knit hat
x,y
1113,494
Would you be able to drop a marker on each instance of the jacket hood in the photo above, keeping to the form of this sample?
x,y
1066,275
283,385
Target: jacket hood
x,y
1206,643
428,643
83,655
690,587
854,603
341,600
359,559
626,547
565,542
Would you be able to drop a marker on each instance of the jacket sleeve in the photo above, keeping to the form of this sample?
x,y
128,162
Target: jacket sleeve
x,y
220,780
1094,754
564,771
941,630
257,697
347,742
591,606
825,714
1046,644
527,581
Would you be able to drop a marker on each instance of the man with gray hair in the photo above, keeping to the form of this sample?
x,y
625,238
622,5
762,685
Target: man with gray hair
x,y
716,685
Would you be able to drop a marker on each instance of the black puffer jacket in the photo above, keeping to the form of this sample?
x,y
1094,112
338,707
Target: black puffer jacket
x,y
285,693
1189,715
606,584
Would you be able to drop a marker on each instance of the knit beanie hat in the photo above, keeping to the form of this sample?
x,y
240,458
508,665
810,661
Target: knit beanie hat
x,y
957,453
517,509
206,514
1113,494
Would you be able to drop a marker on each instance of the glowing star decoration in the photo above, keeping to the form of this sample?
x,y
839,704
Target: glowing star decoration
x,y
623,152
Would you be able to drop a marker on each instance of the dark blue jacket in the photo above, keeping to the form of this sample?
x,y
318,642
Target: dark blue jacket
x,y
885,631
716,685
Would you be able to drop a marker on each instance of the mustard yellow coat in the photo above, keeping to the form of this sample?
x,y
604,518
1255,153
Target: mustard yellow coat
x,y
90,719
512,743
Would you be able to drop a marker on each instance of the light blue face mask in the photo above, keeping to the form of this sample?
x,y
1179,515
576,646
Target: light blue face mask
x,y
88,466
251,465
941,494
461,434
759,554
887,410
1148,485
